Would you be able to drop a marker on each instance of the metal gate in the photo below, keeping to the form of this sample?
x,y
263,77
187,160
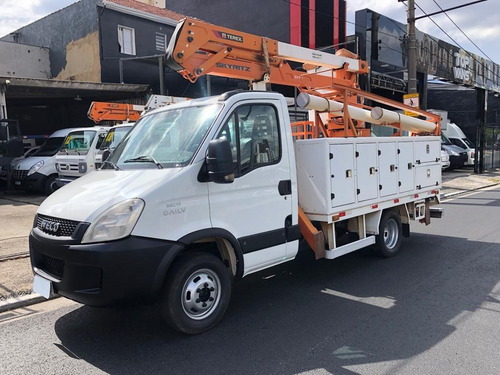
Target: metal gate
x,y
492,147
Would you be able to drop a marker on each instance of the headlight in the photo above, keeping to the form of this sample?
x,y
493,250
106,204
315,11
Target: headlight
x,y
115,223
36,167
454,153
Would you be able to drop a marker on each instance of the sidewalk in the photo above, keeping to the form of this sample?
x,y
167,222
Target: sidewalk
x,y
17,211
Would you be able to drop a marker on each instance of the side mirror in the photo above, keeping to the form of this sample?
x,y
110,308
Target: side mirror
x,y
220,161
106,154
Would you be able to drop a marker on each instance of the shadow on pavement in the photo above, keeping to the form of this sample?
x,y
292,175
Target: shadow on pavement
x,y
305,315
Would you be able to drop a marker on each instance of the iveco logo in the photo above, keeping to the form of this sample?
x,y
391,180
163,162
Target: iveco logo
x,y
50,226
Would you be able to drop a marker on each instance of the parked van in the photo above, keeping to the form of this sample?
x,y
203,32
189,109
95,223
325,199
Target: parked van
x,y
77,154
113,138
458,156
38,171
458,138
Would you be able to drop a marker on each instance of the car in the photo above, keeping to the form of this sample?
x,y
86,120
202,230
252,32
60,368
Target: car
x,y
458,156
29,152
458,138
445,159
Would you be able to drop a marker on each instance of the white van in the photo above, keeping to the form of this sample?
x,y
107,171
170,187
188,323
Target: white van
x,y
38,171
458,138
77,154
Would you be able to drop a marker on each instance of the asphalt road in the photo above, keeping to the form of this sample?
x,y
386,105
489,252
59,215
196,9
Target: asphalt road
x,y
433,309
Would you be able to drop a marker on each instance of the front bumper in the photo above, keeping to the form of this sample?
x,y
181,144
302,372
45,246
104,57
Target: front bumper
x,y
35,181
126,271
457,161
64,180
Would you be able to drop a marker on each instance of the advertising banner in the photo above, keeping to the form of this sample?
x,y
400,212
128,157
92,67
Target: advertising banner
x,y
386,42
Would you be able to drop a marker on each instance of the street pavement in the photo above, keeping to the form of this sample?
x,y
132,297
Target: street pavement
x,y
17,210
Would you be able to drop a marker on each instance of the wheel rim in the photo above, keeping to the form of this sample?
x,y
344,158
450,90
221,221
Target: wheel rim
x,y
201,294
391,234
53,186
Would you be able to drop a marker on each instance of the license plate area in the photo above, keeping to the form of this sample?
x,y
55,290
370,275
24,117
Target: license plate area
x,y
42,286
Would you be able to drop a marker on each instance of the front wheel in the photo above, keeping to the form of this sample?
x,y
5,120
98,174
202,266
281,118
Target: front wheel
x,y
50,185
196,294
390,231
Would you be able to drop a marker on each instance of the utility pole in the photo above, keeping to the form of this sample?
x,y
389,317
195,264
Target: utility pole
x,y
412,49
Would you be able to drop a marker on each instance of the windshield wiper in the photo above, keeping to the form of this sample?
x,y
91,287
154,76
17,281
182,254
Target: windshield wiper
x,y
144,159
115,167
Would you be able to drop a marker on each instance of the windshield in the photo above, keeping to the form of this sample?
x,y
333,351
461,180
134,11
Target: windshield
x,y
168,139
50,147
445,141
114,137
77,141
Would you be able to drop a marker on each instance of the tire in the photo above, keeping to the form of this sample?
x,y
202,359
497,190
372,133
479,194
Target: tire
x,y
196,293
390,234
50,185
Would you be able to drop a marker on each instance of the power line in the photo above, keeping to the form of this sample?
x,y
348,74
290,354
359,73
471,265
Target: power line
x,y
419,44
458,44
470,40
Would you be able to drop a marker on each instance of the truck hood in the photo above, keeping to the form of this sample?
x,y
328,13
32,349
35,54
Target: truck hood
x,y
90,195
26,163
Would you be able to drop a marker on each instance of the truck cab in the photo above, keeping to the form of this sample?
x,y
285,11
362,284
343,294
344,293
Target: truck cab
x,y
38,171
76,156
197,194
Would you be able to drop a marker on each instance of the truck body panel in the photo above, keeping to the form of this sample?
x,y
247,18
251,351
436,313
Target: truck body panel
x,y
338,174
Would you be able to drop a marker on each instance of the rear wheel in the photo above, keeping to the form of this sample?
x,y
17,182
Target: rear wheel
x,y
390,231
196,294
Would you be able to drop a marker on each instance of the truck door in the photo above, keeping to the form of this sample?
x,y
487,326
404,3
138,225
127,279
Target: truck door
x,y
257,205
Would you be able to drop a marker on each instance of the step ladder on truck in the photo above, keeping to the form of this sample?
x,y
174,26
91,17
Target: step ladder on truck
x,y
204,192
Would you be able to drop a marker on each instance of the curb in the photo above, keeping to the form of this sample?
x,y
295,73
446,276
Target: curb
x,y
458,192
12,303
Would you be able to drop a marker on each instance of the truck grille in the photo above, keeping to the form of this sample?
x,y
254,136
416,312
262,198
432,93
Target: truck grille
x,y
19,175
55,226
52,266
64,167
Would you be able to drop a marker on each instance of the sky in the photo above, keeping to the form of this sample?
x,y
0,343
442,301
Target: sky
x,y
479,21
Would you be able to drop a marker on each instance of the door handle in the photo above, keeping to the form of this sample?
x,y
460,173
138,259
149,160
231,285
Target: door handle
x,y
285,187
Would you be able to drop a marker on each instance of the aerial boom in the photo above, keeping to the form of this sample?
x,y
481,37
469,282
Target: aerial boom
x,y
198,48
100,111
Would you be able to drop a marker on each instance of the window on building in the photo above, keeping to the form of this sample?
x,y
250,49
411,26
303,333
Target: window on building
x,y
161,42
126,40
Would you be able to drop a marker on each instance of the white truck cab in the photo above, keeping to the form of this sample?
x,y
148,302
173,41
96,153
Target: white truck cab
x,y
77,154
38,172
207,191
113,139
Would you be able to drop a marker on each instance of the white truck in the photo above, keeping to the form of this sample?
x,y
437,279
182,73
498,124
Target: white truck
x,y
113,139
207,191
204,192
76,156
38,172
